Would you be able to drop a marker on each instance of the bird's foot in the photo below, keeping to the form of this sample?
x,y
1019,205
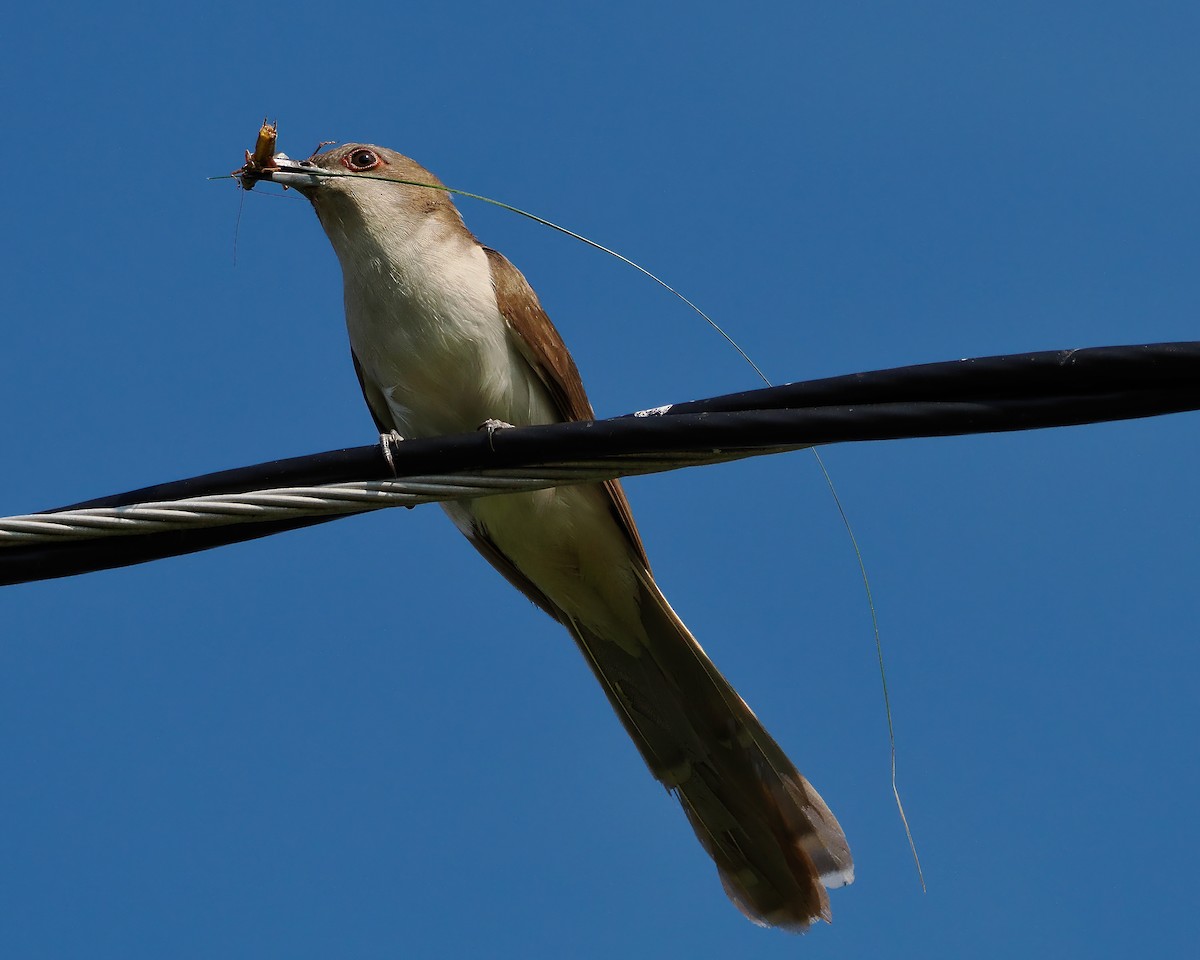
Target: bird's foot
x,y
386,442
491,426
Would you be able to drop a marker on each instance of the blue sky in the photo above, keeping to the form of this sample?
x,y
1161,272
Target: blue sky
x,y
357,740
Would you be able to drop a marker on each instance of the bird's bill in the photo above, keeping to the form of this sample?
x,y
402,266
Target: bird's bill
x,y
283,170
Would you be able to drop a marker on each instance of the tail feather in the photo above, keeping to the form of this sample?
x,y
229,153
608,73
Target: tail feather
x,y
776,844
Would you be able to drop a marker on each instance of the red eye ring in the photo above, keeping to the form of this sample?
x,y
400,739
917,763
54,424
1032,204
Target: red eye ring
x,y
361,159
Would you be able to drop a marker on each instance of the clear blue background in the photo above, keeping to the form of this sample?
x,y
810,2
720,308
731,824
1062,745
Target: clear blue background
x,y
357,741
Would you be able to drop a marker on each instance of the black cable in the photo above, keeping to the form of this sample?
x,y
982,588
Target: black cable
x,y
982,395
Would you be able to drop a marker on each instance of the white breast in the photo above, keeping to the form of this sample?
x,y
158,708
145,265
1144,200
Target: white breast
x,y
424,324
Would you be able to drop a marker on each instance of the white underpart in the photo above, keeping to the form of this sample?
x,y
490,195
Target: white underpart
x,y
424,324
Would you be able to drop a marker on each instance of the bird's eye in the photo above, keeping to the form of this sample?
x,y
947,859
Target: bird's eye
x,y
361,159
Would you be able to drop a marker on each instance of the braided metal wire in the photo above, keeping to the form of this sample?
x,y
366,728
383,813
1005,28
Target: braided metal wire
x,y
326,500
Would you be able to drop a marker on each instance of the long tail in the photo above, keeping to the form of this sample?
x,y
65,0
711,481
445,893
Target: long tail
x,y
776,844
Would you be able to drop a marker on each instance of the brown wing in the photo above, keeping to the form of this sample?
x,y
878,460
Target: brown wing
x,y
775,842
543,348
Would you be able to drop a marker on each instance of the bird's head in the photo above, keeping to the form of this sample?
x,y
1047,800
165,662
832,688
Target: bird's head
x,y
364,193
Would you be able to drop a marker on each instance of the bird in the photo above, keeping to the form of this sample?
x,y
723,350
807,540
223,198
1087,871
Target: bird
x,y
446,335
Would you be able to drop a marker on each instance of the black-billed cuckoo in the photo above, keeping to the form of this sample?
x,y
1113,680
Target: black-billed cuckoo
x,y
447,335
